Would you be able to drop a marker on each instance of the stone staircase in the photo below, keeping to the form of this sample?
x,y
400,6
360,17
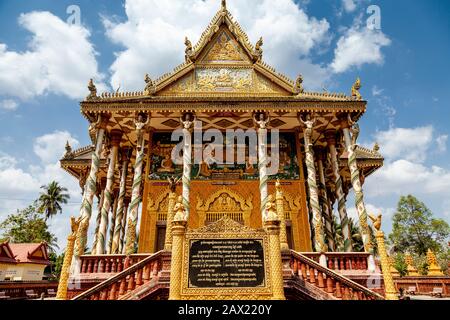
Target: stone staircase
x,y
304,279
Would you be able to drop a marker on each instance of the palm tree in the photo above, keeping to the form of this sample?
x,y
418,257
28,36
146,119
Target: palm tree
x,y
50,201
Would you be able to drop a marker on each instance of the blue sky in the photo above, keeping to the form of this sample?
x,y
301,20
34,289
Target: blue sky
x,y
45,64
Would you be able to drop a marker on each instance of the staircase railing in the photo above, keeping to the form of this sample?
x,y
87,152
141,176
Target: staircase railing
x,y
107,263
329,280
342,261
125,281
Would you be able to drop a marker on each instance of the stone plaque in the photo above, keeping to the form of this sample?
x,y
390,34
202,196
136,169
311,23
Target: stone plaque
x,y
226,260
226,263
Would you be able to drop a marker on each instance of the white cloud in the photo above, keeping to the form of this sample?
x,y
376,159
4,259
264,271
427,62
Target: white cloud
x,y
359,46
403,176
442,142
60,60
408,143
20,186
8,104
50,147
349,5
153,36
406,169
377,91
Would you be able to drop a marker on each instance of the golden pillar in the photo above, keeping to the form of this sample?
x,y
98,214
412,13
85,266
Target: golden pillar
x,y
433,267
272,225
176,265
280,211
389,286
170,214
65,270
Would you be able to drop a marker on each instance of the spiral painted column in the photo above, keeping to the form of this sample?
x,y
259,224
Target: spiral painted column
x,y
187,166
319,238
116,136
324,200
170,215
120,203
262,165
99,215
112,225
126,202
89,191
342,209
356,183
135,193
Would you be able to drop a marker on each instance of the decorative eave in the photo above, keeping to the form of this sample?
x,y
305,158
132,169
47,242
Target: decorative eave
x,y
222,103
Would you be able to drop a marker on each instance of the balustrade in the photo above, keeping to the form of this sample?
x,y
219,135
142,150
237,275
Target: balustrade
x,y
331,282
342,261
141,269
108,263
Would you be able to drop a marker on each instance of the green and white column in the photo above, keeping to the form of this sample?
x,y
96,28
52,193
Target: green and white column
x,y
187,167
126,202
112,224
356,183
120,204
326,210
342,209
89,190
116,136
319,237
136,188
102,186
262,166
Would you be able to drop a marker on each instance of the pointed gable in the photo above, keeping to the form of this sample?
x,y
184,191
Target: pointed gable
x,y
223,62
6,254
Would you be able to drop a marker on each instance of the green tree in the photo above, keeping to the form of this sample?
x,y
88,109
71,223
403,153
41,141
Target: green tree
x,y
27,226
50,201
415,230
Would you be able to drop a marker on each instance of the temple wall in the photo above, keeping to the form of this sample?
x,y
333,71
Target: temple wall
x,y
206,194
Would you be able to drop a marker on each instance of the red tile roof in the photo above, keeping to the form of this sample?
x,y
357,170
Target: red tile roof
x,y
30,252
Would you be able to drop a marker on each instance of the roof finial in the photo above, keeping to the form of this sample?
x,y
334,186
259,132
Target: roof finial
x,y
298,86
150,87
224,4
92,89
355,89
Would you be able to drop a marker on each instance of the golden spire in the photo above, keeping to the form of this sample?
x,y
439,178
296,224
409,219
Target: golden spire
x,y
433,267
224,4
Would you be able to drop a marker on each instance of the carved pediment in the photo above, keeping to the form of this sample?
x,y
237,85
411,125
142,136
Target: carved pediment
x,y
223,80
224,225
224,200
224,49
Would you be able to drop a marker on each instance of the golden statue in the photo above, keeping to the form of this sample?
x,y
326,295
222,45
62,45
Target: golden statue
x,y
179,209
298,87
92,89
271,209
355,89
258,48
188,51
149,86
166,164
376,221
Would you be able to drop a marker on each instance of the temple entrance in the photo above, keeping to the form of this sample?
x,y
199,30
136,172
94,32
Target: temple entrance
x,y
224,203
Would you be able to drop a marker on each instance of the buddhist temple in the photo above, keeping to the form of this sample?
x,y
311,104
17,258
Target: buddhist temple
x,y
224,88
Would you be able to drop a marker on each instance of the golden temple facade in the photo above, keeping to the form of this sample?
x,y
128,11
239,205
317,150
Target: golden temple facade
x,y
224,84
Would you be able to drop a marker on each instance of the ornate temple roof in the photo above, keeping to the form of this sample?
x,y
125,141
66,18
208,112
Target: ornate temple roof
x,y
222,64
